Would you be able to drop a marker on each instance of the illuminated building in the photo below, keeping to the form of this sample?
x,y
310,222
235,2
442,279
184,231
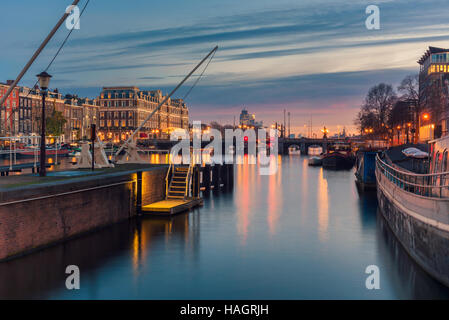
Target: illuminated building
x,y
434,93
123,109
249,120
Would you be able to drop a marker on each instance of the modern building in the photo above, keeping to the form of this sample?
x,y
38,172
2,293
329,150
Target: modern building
x,y
249,120
434,93
124,109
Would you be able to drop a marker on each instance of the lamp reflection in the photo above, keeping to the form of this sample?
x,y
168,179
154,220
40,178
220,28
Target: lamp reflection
x,y
323,207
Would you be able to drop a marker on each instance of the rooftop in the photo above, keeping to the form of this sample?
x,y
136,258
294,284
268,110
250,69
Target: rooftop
x,y
430,51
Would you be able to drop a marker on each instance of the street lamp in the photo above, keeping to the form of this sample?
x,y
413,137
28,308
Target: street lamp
x,y
44,81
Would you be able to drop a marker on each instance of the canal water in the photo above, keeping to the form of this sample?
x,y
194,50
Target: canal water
x,y
303,233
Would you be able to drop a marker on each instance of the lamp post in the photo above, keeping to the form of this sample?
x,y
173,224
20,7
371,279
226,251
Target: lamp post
x,y
44,80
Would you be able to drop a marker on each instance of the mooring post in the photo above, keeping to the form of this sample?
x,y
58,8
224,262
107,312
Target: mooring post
x,y
216,176
231,175
139,193
196,181
206,177
224,175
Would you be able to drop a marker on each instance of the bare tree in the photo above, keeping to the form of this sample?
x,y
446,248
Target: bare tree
x,y
377,107
409,87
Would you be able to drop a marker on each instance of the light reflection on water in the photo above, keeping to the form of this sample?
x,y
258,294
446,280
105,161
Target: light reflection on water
x,y
304,233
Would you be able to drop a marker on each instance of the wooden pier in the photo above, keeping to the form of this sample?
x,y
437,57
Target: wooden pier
x,y
171,206
183,185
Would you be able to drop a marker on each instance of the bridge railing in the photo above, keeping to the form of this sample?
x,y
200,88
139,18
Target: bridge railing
x,y
434,185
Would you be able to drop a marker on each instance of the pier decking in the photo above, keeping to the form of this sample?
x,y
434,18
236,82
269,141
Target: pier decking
x,y
171,206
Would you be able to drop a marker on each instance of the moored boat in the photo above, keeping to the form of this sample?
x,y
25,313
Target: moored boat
x,y
416,204
31,152
315,150
339,156
294,150
315,161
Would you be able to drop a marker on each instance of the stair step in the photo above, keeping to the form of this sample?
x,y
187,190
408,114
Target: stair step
x,y
177,187
175,197
176,192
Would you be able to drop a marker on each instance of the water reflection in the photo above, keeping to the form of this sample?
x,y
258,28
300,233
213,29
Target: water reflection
x,y
303,233
323,206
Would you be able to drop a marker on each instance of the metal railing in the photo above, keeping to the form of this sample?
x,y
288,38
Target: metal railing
x,y
434,185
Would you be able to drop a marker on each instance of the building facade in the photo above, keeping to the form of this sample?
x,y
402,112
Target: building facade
x,y
434,93
9,120
80,114
124,109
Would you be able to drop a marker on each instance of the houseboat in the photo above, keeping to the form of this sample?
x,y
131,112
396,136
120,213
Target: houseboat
x,y
338,156
315,150
413,196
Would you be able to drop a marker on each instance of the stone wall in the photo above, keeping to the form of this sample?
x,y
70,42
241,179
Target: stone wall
x,y
36,216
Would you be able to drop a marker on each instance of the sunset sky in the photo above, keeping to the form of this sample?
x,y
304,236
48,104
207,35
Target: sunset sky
x,y
309,57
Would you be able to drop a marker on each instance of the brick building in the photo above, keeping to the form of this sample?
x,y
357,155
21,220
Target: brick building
x,y
9,120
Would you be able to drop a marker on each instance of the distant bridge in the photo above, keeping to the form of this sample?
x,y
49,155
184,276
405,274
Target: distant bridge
x,y
283,143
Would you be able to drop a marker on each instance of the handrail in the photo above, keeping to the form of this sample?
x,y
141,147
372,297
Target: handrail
x,y
167,177
431,185
188,177
412,173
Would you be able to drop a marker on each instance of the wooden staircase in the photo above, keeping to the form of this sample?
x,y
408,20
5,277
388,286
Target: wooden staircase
x,y
179,183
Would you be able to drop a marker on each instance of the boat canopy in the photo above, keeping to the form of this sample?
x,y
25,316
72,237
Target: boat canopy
x,y
415,153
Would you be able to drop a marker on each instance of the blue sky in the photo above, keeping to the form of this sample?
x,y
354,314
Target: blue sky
x,y
309,57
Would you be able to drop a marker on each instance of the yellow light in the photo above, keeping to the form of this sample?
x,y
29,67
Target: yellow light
x,y
425,116
433,126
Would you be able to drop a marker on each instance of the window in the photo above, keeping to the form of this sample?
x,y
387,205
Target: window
x,y
115,123
445,161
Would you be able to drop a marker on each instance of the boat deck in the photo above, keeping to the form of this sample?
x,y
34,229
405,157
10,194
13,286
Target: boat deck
x,y
171,206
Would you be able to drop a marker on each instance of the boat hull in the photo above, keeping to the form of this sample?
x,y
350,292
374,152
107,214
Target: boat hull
x,y
337,161
420,224
315,161
30,154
